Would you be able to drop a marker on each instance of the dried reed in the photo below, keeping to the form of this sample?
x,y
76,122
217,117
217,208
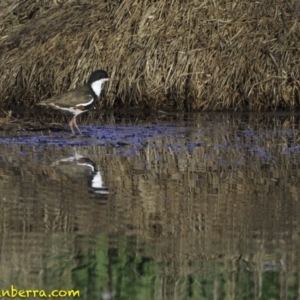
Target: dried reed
x,y
186,55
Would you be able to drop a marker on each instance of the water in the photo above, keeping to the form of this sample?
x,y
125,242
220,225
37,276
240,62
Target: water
x,y
202,207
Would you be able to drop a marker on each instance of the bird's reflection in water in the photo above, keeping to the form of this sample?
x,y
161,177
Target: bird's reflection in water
x,y
76,161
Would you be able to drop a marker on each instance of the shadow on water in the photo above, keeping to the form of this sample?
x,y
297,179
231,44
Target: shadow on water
x,y
201,208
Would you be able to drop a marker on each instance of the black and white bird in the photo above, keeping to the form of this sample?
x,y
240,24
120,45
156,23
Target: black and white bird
x,y
78,160
81,99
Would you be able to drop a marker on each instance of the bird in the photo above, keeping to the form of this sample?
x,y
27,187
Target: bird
x,y
78,160
81,99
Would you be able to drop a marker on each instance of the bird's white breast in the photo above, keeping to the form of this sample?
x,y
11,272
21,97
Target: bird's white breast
x,y
96,86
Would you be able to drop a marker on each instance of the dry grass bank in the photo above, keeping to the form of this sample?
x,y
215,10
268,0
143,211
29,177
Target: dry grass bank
x,y
187,55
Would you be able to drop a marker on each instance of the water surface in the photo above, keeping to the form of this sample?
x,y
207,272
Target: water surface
x,y
200,206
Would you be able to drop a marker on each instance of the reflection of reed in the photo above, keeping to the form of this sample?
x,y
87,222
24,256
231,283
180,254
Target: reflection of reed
x,y
218,214
61,261
228,184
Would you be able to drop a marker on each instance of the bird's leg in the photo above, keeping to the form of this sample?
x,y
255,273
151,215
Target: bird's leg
x,y
74,122
71,124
